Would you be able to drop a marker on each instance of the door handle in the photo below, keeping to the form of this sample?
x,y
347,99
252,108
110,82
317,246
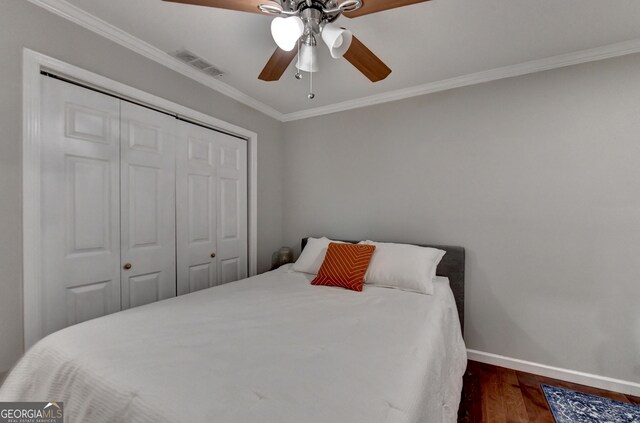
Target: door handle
x,y
127,266
213,255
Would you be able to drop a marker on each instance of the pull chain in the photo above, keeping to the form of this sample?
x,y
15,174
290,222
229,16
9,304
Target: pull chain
x,y
311,95
298,74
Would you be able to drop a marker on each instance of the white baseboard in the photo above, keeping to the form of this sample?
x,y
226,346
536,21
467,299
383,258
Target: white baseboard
x,y
573,376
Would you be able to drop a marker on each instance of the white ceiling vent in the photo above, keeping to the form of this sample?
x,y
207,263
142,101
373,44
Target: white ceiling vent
x,y
197,62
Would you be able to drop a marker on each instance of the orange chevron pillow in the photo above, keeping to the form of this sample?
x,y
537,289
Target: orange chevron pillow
x,y
345,266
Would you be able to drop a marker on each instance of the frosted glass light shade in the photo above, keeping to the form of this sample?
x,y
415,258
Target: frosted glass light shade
x,y
287,31
308,60
337,39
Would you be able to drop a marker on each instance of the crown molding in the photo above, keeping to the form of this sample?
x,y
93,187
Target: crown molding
x,y
533,66
74,14
78,16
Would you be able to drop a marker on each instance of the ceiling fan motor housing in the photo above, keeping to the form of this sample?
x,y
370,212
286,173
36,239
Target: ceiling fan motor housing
x,y
329,9
312,19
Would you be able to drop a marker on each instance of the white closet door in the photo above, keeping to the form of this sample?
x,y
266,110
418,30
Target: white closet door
x,y
80,205
148,205
232,208
196,191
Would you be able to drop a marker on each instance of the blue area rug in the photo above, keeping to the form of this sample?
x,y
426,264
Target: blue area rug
x,y
575,407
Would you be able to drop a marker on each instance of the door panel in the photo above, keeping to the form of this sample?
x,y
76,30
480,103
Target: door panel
x,y
148,205
230,269
232,220
230,208
196,193
201,276
88,197
88,302
144,289
80,204
200,208
144,205
87,124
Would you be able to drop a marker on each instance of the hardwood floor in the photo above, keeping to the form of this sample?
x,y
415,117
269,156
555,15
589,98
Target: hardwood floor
x,y
498,395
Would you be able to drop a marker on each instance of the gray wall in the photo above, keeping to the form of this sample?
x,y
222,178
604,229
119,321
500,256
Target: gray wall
x,y
537,176
25,25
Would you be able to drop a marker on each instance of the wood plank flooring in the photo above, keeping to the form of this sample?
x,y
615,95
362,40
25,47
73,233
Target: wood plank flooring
x,y
498,395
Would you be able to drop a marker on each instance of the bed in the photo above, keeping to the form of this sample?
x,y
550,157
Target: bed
x,y
271,348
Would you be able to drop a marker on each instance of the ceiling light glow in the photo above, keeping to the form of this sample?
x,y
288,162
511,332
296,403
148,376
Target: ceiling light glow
x,y
287,31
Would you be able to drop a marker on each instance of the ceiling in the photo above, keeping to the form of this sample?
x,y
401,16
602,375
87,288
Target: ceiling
x,y
423,43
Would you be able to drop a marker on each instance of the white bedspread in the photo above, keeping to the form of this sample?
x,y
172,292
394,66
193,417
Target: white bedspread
x,y
269,349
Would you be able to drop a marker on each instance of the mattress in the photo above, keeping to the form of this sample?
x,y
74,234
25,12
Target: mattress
x,y
271,349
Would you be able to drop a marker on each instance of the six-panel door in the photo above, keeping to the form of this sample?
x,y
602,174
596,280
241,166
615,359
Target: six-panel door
x,y
80,205
147,172
232,216
211,194
196,208
136,206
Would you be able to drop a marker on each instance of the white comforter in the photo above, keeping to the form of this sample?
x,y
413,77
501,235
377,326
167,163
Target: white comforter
x,y
269,349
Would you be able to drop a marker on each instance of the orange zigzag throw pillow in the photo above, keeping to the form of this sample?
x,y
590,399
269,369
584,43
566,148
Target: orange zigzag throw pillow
x,y
345,266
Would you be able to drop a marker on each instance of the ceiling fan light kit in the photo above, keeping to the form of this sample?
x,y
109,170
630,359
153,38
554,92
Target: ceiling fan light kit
x,y
337,39
287,31
308,60
303,22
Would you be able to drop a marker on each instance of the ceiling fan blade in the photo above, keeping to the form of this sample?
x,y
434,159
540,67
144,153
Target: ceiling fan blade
x,y
373,6
277,64
366,62
250,6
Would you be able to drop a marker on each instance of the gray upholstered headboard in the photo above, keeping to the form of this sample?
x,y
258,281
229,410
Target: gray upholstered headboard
x,y
451,266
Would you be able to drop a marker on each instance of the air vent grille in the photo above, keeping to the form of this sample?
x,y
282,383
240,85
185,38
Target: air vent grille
x,y
197,62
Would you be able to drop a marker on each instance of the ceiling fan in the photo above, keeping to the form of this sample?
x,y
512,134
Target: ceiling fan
x,y
302,23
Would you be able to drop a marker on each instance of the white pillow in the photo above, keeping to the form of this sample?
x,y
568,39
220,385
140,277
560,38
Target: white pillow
x,y
403,266
313,255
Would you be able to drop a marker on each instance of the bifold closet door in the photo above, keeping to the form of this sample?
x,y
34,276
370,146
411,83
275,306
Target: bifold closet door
x,y
211,190
232,209
137,206
196,208
147,205
80,204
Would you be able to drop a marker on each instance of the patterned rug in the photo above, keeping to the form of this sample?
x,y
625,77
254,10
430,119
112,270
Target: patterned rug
x,y
575,407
